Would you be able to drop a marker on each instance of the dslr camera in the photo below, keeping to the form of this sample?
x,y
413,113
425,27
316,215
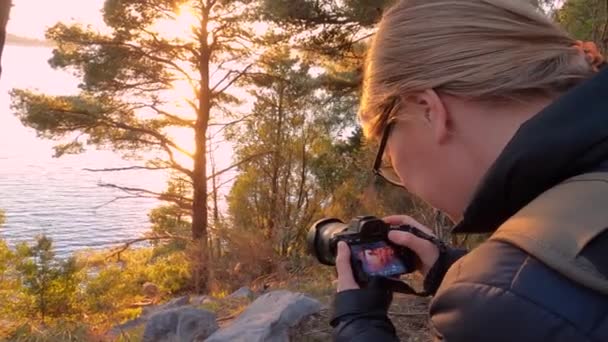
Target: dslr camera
x,y
372,253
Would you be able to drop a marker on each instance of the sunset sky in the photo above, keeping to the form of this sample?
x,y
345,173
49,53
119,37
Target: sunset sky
x,y
31,17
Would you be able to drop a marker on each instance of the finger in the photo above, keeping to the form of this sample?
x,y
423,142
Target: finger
x,y
416,244
346,280
427,251
397,220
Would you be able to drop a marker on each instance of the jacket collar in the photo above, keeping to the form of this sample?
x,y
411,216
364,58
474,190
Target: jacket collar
x,y
567,138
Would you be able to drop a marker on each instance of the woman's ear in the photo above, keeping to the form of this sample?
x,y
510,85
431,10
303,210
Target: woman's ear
x,y
436,114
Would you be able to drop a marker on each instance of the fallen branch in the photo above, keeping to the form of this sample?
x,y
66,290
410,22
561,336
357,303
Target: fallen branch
x,y
128,244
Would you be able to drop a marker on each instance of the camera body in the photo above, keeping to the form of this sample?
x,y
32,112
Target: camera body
x,y
372,253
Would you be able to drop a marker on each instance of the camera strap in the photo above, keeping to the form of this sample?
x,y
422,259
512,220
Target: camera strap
x,y
419,233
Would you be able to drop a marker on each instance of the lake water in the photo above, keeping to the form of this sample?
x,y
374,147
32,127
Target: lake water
x,y
41,194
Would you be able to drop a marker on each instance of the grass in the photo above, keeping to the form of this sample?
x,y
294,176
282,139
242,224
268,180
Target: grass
x,y
408,313
133,335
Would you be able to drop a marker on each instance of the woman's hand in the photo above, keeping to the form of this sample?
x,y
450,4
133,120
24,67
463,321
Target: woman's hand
x,y
427,252
346,279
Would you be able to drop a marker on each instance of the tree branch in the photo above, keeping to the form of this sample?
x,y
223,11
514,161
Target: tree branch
x,y
176,118
231,122
118,199
137,49
129,168
236,78
182,202
244,161
127,244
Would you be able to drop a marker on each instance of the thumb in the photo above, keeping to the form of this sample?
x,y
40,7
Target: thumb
x,y
346,280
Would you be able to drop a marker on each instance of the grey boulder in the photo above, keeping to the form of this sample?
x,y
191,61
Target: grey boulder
x,y
183,324
269,318
243,292
172,304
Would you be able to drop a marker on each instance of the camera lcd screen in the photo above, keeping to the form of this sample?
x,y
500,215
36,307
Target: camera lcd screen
x,y
378,259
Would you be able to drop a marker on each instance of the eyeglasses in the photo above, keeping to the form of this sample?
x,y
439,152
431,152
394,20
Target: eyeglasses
x,y
383,168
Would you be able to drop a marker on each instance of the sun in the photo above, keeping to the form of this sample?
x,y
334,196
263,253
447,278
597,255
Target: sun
x,y
180,26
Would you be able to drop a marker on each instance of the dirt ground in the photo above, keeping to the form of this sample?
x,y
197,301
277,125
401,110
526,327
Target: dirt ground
x,y
408,314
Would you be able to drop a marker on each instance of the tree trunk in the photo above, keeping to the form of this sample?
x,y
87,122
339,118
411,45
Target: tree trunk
x,y
5,8
276,164
214,241
199,205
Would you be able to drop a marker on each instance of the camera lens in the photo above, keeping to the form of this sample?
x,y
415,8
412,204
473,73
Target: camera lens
x,y
320,239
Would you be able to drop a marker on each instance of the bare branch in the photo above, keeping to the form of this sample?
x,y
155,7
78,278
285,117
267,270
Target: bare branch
x,y
244,161
127,244
231,122
129,168
182,202
226,182
236,78
118,199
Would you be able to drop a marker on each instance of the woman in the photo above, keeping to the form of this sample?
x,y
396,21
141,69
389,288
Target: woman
x,y
484,105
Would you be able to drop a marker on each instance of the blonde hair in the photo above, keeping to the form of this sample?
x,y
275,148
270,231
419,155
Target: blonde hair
x,y
475,49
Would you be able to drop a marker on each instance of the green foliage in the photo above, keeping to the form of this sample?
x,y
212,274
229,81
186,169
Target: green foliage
x,y
114,287
585,20
51,283
60,331
336,25
275,194
45,298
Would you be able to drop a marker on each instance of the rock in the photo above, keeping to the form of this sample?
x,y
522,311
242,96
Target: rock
x,y
200,300
150,290
173,303
243,292
268,318
147,313
180,324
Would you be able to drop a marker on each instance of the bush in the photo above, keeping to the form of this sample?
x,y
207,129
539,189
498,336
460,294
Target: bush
x,y
248,255
45,298
51,283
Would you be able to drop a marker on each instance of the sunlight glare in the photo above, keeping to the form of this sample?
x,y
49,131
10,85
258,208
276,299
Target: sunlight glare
x,y
179,27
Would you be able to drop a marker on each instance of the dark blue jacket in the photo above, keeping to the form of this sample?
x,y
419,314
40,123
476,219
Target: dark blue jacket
x,y
498,292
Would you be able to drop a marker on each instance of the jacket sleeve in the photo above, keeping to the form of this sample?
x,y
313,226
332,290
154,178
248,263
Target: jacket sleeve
x,y
479,312
446,259
362,315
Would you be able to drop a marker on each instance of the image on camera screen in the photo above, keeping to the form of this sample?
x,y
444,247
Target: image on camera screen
x,y
378,259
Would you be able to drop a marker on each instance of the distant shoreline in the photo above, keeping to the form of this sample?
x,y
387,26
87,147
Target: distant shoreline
x,y
15,40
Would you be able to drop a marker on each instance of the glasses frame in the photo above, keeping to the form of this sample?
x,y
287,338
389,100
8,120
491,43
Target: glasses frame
x,y
378,161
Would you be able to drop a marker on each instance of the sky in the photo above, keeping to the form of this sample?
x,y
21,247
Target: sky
x,y
30,18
